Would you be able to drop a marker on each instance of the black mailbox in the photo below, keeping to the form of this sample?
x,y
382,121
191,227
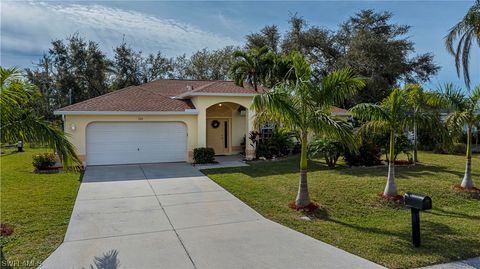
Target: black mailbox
x,y
417,201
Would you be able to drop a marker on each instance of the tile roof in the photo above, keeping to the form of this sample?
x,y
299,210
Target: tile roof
x,y
157,95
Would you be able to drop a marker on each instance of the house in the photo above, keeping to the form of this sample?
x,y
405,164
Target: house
x,y
161,121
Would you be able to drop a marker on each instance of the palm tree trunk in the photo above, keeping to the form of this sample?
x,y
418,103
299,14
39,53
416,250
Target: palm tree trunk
x,y
303,198
391,188
467,181
415,145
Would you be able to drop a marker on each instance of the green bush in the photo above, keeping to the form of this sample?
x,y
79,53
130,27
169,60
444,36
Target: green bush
x,y
368,154
329,149
459,148
203,155
44,161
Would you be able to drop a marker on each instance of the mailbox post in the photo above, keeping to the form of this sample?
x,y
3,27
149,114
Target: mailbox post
x,y
416,202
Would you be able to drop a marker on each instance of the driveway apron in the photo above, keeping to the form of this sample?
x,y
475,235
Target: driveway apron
x,y
170,215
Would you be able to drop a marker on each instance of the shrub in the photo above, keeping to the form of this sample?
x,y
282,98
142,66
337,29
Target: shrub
x,y
44,161
459,148
329,149
368,154
203,155
278,144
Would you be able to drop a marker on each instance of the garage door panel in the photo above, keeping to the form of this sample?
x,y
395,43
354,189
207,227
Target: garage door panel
x,y
135,142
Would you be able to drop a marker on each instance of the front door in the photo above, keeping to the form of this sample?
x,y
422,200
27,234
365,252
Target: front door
x,y
218,135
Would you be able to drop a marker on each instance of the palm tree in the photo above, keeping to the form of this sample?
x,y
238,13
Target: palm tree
x,y
18,122
251,66
391,115
466,30
465,114
303,106
421,105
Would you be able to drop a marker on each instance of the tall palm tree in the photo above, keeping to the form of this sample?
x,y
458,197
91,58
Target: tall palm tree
x,y
303,106
391,115
18,122
251,66
466,30
421,105
465,115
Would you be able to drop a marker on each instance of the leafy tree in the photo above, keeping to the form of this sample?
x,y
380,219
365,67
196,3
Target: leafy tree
x,y
465,31
156,66
210,65
19,123
251,66
269,37
377,49
72,71
303,106
465,114
391,116
127,67
367,42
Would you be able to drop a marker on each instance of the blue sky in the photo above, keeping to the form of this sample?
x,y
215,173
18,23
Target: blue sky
x,y
175,28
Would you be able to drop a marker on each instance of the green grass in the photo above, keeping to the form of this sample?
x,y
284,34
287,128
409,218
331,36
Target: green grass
x,y
37,205
358,221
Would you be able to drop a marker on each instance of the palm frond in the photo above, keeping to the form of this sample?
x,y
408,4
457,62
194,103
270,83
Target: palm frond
x,y
370,112
338,86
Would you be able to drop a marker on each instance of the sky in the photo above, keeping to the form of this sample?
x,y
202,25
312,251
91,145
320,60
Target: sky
x,y
183,27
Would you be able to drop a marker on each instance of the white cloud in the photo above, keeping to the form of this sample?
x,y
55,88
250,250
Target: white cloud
x,y
29,27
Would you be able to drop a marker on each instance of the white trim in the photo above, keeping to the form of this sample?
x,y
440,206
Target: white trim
x,y
188,94
186,112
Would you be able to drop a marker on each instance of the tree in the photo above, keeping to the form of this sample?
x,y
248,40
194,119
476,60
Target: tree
x,y
303,106
268,36
127,67
465,114
380,51
465,31
19,123
391,116
368,42
72,71
251,66
421,105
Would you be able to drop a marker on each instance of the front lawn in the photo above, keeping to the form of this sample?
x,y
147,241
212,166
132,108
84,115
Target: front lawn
x,y
37,205
358,222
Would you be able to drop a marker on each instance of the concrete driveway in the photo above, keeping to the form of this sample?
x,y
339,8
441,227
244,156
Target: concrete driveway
x,y
172,216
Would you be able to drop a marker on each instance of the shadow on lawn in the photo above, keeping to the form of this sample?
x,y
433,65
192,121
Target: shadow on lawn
x,y
451,214
290,166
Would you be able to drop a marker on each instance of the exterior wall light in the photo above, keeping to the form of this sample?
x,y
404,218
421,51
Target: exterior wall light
x,y
73,127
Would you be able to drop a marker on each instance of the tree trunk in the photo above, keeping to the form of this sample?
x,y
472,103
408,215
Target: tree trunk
x,y
303,198
391,188
467,181
415,145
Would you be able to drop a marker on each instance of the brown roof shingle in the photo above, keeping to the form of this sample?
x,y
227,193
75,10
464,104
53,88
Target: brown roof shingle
x,y
157,96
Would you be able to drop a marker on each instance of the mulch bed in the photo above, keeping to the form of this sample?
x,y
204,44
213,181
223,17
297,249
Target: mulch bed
x,y
462,189
6,229
396,198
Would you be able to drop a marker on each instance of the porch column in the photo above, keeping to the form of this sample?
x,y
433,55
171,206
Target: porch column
x,y
249,149
202,128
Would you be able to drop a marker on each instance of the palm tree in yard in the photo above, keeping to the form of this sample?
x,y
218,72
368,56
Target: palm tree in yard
x,y
18,122
251,66
421,105
465,115
303,106
391,116
466,32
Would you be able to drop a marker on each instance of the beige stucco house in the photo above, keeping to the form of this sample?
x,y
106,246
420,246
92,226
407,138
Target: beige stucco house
x,y
161,121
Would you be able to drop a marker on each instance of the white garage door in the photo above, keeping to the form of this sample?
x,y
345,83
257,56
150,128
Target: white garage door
x,y
136,142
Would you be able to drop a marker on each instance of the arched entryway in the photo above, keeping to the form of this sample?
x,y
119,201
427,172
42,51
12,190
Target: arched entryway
x,y
226,128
